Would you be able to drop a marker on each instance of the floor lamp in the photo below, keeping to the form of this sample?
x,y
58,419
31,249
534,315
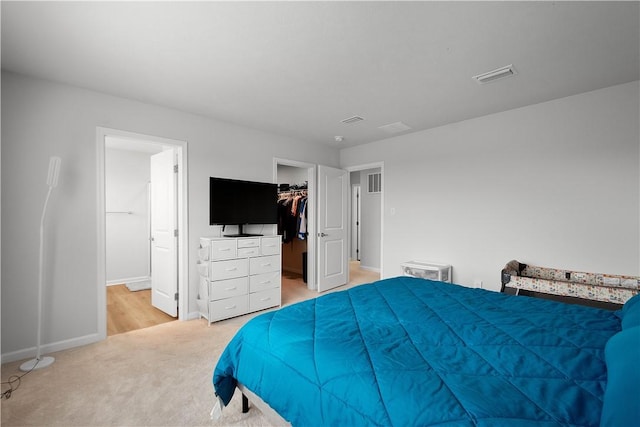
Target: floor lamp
x,y
52,180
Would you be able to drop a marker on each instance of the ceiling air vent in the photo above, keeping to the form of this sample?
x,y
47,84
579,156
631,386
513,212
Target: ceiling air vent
x,y
396,127
499,73
351,120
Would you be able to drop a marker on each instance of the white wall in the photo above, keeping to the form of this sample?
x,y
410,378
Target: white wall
x,y
292,175
554,184
127,174
41,119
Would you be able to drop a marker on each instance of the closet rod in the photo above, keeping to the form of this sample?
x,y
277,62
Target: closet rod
x,y
120,212
292,192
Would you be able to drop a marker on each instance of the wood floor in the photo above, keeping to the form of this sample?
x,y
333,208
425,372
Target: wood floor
x,y
128,311
295,290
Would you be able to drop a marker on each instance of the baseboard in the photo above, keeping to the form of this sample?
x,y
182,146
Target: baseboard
x,y
128,280
31,352
374,269
194,315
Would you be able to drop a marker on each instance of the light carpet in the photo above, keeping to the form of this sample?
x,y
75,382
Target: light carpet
x,y
159,376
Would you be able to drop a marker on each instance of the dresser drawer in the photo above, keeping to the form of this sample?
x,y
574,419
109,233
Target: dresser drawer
x,y
238,275
221,270
230,307
247,252
223,249
261,282
229,288
270,245
253,242
264,264
264,299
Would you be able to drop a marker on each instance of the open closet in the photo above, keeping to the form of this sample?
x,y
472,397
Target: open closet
x,y
293,210
322,252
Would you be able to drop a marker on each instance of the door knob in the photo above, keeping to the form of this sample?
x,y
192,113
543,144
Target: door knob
x,y
322,234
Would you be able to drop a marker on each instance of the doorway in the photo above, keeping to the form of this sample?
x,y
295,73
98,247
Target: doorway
x,y
126,282
356,219
367,207
298,254
328,227
128,202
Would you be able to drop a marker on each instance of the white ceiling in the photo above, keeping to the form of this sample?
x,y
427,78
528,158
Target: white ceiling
x,y
299,68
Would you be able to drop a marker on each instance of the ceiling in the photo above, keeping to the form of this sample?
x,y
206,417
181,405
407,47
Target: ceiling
x,y
299,68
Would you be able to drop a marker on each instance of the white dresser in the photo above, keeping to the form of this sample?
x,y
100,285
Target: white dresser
x,y
238,275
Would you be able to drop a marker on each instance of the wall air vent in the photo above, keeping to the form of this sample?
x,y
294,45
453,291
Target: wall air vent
x,y
499,73
351,120
374,182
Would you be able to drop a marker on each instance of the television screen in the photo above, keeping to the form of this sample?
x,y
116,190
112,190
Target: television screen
x,y
235,202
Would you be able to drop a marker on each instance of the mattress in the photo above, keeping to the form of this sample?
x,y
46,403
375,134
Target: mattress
x,y
410,351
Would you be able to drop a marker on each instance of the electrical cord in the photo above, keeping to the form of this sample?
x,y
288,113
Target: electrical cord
x,y
15,380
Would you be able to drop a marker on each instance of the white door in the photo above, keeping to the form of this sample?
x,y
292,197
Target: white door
x,y
355,222
333,185
164,241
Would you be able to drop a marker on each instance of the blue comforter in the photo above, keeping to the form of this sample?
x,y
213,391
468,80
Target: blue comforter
x,y
409,351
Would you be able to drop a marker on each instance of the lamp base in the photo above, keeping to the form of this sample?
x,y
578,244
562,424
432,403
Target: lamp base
x,y
32,364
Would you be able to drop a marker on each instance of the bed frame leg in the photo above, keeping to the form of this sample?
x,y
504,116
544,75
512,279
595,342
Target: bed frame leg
x,y
245,404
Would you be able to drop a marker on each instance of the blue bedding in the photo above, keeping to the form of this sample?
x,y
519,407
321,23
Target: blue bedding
x,y
407,351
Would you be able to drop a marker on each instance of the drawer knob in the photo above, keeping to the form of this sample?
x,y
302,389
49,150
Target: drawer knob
x,y
230,308
265,299
231,289
232,269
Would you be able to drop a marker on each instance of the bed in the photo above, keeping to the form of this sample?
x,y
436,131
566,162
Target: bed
x,y
409,351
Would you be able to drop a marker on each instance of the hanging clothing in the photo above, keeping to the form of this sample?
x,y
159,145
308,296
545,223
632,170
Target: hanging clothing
x,y
292,215
287,224
302,220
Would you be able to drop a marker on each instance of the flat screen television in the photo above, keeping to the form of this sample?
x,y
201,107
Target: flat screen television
x,y
236,202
